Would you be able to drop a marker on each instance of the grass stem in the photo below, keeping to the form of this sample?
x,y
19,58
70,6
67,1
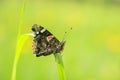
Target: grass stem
x,y
20,41
60,66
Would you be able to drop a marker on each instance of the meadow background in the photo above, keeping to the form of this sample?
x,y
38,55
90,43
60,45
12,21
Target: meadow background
x,y
92,50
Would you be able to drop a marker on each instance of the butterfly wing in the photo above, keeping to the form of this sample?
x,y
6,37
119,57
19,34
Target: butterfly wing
x,y
44,42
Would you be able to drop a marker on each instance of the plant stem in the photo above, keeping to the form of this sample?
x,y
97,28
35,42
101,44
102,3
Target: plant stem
x,y
60,66
20,41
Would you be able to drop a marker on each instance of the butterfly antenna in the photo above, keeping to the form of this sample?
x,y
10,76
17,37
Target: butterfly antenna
x,y
65,34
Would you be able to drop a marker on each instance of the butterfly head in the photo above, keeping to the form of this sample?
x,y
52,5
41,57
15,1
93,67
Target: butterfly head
x,y
37,29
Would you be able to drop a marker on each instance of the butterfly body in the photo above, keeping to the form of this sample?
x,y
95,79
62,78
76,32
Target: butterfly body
x,y
44,42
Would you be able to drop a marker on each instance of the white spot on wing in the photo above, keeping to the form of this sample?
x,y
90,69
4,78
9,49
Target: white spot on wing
x,y
48,39
37,32
43,30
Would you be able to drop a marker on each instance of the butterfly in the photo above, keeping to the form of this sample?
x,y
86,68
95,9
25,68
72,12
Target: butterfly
x,y
44,42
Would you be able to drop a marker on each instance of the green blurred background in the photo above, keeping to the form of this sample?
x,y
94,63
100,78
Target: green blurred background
x,y
92,50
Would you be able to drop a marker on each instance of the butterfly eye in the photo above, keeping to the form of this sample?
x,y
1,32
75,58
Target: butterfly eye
x,y
35,28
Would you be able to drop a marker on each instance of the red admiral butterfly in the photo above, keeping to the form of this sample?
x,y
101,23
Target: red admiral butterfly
x,y
44,42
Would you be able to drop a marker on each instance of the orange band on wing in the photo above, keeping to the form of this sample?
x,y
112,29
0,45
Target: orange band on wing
x,y
50,37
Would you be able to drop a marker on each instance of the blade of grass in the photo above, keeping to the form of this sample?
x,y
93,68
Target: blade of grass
x,y
60,66
19,46
20,41
21,19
